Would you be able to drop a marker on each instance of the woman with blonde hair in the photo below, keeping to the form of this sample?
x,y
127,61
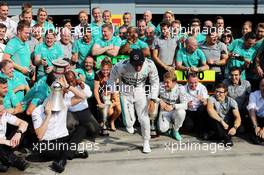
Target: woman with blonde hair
x,y
42,17
167,16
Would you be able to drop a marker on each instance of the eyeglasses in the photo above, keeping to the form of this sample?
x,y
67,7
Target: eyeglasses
x,y
226,36
220,92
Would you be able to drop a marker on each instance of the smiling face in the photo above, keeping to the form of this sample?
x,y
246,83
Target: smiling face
x,y
83,18
24,34
169,84
8,70
106,70
4,12
88,63
107,17
50,39
42,16
220,94
235,77
97,15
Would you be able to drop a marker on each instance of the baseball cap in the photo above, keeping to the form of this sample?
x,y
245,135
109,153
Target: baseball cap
x,y
136,57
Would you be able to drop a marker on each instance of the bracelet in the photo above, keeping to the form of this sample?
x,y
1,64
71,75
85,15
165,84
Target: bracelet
x,y
235,127
19,131
68,87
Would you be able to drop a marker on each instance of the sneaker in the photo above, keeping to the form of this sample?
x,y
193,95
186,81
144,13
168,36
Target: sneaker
x,y
146,147
177,135
168,133
130,130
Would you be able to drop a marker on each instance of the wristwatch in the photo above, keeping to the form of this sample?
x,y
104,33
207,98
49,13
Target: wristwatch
x,y
255,126
19,131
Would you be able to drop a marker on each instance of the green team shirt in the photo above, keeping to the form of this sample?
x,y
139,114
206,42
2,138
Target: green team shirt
x,y
96,30
37,94
238,48
17,80
89,79
191,60
137,45
49,54
19,52
47,26
115,41
10,100
83,49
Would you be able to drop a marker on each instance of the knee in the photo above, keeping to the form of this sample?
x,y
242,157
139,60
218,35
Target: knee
x,y
163,127
180,113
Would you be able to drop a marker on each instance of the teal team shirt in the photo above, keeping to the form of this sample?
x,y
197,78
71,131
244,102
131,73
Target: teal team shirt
x,y
96,30
83,49
238,48
10,100
37,94
137,45
49,54
19,52
17,80
115,41
191,60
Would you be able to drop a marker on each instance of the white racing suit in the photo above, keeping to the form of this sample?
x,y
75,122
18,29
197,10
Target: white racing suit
x,y
132,92
177,115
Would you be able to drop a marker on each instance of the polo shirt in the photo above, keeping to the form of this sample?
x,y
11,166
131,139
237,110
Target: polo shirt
x,y
191,60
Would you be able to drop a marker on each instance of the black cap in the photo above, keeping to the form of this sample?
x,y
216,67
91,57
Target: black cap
x,y
136,57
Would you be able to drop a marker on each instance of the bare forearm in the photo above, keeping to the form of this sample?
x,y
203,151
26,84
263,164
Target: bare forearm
x,y
99,50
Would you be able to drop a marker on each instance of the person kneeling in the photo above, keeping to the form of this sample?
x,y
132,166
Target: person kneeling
x,y
224,115
7,156
172,107
50,123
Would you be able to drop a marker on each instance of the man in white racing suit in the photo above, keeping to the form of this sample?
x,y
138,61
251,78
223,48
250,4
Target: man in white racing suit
x,y
172,106
132,75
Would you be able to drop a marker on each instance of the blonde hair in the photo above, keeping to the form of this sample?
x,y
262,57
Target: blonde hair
x,y
42,9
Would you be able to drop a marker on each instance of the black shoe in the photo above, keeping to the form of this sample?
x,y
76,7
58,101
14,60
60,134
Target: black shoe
x,y
81,155
255,139
104,132
3,168
228,142
59,166
208,136
21,164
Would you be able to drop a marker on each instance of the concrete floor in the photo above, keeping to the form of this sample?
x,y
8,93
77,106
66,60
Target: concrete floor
x,y
120,154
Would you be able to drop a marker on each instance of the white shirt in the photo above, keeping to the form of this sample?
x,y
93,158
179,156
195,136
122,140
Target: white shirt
x,y
192,95
4,119
57,126
256,101
2,49
83,104
11,27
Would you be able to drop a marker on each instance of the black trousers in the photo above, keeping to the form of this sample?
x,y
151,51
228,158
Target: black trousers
x,y
219,131
196,121
85,119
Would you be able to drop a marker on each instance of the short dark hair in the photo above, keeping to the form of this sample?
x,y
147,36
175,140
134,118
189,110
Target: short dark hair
x,y
236,69
22,24
250,35
196,20
221,85
50,78
3,80
3,63
2,26
165,23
